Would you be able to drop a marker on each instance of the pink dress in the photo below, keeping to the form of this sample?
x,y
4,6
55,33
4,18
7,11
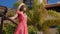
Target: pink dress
x,y
22,25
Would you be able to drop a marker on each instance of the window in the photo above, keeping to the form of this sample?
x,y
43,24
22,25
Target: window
x,y
53,1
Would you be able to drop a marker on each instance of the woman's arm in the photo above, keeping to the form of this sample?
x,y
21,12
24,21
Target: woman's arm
x,y
14,17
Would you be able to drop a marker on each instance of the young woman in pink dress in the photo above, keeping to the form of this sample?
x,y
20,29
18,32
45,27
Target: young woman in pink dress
x,y
22,20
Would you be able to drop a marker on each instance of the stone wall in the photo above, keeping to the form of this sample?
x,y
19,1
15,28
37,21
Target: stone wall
x,y
51,31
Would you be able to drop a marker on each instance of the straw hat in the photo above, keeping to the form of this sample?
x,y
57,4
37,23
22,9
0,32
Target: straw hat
x,y
20,5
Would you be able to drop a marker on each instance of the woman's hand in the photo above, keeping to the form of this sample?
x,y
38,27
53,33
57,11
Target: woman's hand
x,y
14,17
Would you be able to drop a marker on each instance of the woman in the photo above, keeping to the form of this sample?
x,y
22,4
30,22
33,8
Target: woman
x,y
22,19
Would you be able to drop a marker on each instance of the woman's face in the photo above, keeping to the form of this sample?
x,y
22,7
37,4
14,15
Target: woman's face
x,y
24,8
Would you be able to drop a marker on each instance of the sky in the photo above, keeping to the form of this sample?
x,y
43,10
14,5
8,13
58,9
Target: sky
x,y
53,1
7,3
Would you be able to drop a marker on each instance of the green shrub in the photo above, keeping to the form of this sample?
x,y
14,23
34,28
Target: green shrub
x,y
58,29
53,22
16,4
32,30
9,28
53,13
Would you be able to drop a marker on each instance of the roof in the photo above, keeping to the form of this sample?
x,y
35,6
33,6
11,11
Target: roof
x,y
52,5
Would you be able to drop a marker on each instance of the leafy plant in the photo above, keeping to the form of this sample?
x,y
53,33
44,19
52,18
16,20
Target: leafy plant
x,y
32,30
58,29
53,22
54,13
16,4
9,28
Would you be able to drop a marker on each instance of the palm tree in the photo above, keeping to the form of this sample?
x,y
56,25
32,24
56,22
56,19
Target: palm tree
x,y
37,15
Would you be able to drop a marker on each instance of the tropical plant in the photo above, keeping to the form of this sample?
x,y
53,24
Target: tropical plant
x,y
53,13
9,28
32,30
37,15
15,5
58,29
